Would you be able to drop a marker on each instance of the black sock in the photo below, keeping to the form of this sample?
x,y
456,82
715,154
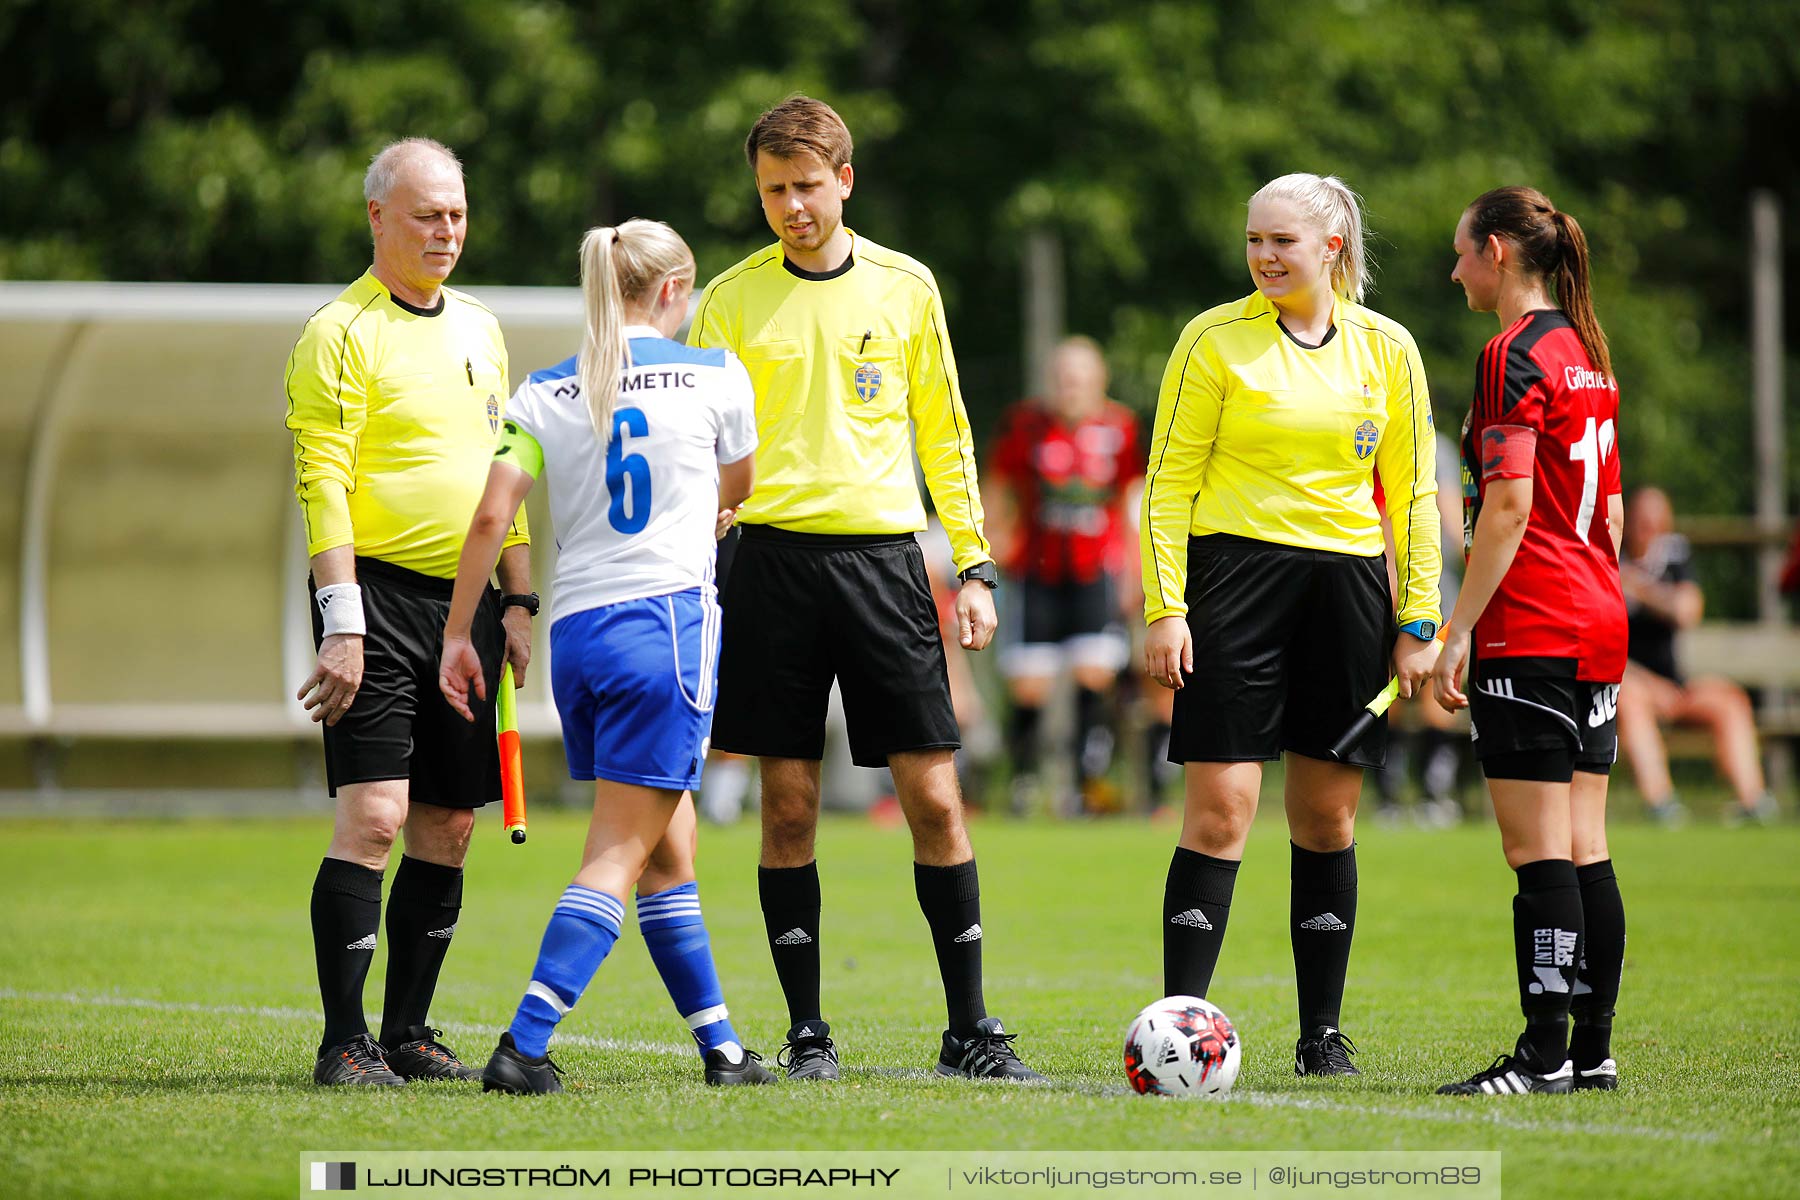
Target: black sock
x,y
1547,945
1022,738
423,905
1443,758
950,897
1321,923
1602,962
790,905
1093,735
346,912
1158,770
1196,904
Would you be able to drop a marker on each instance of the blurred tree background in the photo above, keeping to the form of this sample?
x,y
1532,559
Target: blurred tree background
x,y
224,140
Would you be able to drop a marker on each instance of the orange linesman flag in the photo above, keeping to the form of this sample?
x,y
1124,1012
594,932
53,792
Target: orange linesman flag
x,y
512,770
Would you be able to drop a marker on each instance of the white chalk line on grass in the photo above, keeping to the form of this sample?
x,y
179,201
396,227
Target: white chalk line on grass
x,y
1460,1111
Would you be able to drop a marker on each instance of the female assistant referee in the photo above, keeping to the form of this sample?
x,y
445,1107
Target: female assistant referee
x,y
647,443
1265,585
1541,625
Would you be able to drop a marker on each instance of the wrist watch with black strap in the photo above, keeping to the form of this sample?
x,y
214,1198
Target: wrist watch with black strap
x,y
525,600
983,572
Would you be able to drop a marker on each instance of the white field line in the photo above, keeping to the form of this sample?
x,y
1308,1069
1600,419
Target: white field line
x,y
1471,1111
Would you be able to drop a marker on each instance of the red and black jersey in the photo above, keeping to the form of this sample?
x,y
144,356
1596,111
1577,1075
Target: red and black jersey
x,y
1069,482
1561,597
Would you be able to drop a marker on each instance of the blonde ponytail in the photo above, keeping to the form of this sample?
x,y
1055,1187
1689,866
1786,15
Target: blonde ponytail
x,y
1336,211
620,267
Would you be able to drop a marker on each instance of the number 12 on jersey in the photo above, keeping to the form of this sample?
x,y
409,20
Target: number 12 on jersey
x,y
628,475
1592,450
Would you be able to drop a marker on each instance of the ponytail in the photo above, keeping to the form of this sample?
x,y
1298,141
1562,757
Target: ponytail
x,y
602,343
1552,248
621,266
1576,291
1336,211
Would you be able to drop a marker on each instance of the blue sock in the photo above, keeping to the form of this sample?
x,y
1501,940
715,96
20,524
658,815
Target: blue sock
x,y
675,932
581,932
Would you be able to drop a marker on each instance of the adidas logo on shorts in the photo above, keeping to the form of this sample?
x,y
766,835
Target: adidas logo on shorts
x,y
794,937
367,943
1325,922
971,934
1193,918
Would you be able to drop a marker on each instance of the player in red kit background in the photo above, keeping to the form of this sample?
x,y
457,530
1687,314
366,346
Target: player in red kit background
x,y
1068,467
1540,622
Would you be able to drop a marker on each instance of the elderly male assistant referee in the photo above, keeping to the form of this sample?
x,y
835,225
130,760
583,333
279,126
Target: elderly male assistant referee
x,y
395,392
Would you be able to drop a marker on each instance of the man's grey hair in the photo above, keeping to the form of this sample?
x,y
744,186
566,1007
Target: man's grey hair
x,y
384,168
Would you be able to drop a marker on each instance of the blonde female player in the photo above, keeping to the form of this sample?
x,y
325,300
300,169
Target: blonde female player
x,y
646,442
1265,585
1540,624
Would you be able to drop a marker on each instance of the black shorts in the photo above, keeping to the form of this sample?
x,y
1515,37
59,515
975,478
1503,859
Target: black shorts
x,y
400,726
801,609
1056,623
1289,645
1531,718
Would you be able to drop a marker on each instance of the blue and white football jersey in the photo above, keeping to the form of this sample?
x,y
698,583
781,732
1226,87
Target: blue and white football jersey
x,y
635,518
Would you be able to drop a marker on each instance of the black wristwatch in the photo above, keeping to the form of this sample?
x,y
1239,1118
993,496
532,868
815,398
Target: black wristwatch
x,y
982,573
526,600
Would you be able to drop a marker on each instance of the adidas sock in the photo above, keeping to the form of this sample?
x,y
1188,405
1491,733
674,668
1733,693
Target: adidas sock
x,y
1196,905
790,905
346,912
1022,738
1321,923
581,933
675,932
951,900
1547,944
422,908
1093,735
1601,965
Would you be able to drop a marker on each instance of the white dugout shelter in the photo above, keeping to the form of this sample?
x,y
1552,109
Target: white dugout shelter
x,y
152,563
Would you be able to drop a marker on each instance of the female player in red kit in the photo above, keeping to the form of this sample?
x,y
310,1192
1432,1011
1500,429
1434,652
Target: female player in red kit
x,y
1540,624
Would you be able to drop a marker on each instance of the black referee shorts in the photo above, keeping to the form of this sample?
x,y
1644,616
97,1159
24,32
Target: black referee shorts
x,y
1532,719
1289,645
400,726
801,609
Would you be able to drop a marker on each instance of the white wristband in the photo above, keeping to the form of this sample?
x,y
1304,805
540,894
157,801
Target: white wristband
x,y
340,608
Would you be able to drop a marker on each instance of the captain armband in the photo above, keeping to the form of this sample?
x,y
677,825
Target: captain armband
x,y
520,449
1508,452
341,609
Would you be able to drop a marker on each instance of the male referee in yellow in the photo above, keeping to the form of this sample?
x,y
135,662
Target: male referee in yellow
x,y
845,344
395,391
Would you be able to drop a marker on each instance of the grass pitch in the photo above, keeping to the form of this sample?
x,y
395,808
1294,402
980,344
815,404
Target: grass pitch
x,y
158,1010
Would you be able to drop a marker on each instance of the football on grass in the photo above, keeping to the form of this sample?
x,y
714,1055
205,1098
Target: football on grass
x,y
1182,1046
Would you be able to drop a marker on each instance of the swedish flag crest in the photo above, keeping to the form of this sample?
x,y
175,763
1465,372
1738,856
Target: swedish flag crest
x,y
868,381
1366,437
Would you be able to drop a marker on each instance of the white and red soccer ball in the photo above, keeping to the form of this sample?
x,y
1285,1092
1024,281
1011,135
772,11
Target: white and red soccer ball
x,y
1182,1046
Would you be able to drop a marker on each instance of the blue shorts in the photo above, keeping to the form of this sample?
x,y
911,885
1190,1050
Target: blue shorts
x,y
634,684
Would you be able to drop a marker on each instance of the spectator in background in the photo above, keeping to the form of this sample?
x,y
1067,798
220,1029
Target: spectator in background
x,y
1662,599
1429,735
1066,471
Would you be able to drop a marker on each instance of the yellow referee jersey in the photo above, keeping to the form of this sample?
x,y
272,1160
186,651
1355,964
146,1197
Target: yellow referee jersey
x,y
841,363
1260,436
394,414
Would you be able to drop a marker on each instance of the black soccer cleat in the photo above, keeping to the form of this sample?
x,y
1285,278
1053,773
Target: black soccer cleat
x,y
809,1052
357,1061
722,1072
514,1073
1515,1074
988,1054
1603,1078
423,1057
1326,1052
